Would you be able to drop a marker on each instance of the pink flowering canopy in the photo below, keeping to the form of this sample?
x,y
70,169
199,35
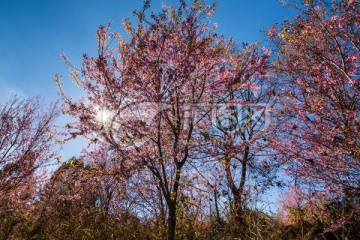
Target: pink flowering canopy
x,y
26,144
149,98
319,64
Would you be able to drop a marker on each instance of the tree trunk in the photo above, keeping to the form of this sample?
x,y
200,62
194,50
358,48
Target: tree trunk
x,y
172,222
240,191
238,210
218,218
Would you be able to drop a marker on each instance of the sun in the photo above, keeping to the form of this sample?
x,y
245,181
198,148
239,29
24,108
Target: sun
x,y
103,116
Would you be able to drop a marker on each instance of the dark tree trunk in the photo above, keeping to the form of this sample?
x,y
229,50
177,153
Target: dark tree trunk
x,y
238,192
172,222
218,218
238,210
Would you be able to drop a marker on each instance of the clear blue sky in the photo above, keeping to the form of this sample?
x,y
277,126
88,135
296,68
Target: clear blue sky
x,y
35,32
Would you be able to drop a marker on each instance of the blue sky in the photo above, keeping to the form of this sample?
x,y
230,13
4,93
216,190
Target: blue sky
x,y
35,32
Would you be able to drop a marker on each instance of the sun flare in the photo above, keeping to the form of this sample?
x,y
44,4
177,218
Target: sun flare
x,y
103,115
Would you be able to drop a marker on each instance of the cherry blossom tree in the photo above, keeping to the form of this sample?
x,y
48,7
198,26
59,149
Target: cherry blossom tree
x,y
144,90
150,101
319,63
26,143
26,140
244,128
